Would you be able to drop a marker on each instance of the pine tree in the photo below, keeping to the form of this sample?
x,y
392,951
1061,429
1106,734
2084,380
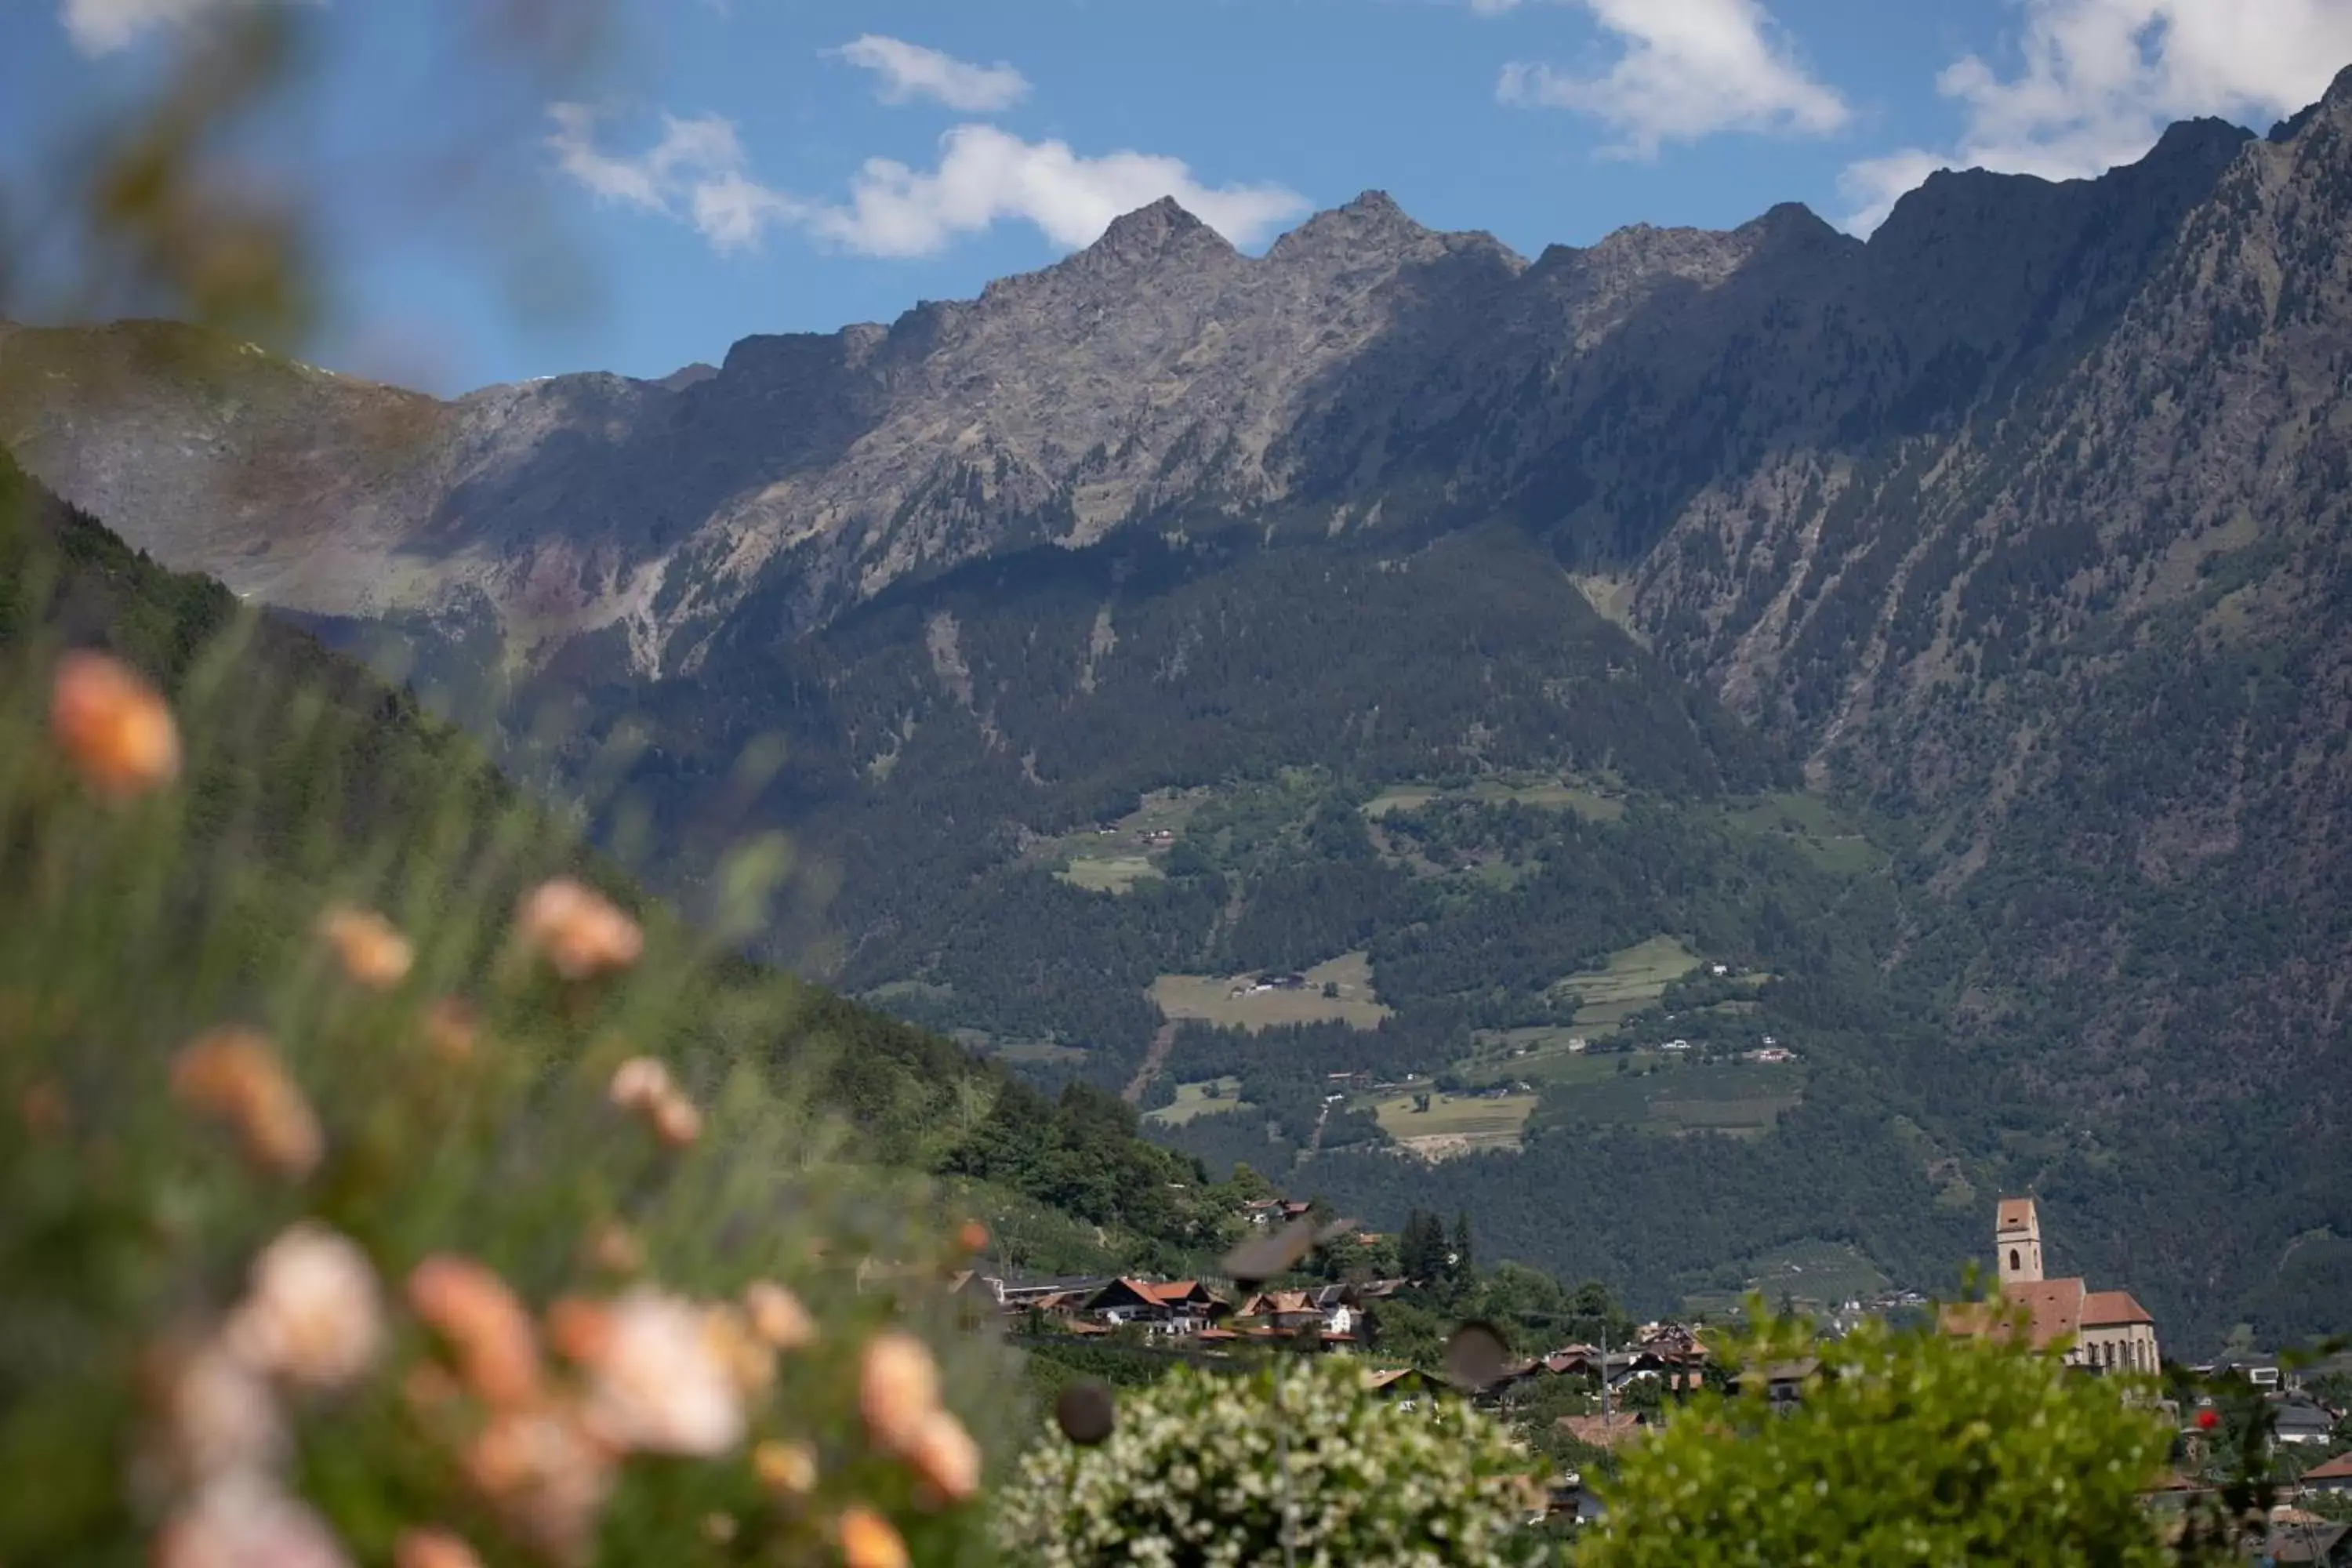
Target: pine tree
x,y
1421,1245
1465,1265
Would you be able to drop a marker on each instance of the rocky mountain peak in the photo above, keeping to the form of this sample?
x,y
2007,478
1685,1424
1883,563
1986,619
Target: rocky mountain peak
x,y
1153,231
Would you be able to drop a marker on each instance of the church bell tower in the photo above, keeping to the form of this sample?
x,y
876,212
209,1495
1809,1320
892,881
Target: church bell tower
x,y
2017,1242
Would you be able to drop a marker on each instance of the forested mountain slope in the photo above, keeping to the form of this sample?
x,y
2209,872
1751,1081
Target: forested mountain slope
x,y
314,761
1589,676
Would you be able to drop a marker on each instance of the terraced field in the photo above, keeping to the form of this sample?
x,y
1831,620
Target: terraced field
x,y
1454,1123
1113,859
1214,1097
1658,1094
1588,799
1229,1001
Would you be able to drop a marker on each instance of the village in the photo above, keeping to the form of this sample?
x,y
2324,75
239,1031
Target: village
x,y
1604,1396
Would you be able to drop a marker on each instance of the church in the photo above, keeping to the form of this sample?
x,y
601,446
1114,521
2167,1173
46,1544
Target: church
x,y
2108,1331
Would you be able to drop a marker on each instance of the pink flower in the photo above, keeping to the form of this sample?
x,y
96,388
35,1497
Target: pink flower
x,y
312,1315
246,1522
215,1416
660,1381
580,933
545,1475
640,1084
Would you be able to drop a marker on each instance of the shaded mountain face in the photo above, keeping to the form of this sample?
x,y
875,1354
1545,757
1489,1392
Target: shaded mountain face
x,y
2017,531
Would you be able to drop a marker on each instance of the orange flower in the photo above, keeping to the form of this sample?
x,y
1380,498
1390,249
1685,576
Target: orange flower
x,y
433,1549
311,1317
234,1076
451,1025
485,1325
788,1469
945,1458
545,1475
372,951
972,1238
112,726
580,933
867,1541
897,1389
578,1329
778,1317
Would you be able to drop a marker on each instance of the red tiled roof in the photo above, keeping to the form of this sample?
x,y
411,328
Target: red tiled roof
x,y
2108,1308
2336,1470
2054,1307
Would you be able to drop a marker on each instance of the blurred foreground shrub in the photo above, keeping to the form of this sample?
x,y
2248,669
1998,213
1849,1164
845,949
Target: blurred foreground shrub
x,y
1193,1473
377,1188
1904,1446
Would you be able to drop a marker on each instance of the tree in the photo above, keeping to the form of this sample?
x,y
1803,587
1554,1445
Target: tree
x,y
1464,1264
1912,1445
1421,1247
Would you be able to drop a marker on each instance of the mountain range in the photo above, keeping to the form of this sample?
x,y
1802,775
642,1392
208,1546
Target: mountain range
x,y
1930,654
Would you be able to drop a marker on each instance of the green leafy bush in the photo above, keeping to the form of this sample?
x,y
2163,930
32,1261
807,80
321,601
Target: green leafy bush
x,y
1907,1446
1193,1474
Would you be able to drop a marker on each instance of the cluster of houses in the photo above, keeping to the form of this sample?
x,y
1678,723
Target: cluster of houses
x,y
1183,1311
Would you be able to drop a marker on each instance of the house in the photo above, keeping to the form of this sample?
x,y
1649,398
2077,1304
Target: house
x,y
2259,1370
2299,1537
1334,1312
2334,1477
1783,1381
1399,1382
1173,1306
1034,1292
2300,1421
2104,1331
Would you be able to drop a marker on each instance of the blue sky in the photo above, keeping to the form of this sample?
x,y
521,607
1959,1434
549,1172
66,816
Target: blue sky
x,y
735,166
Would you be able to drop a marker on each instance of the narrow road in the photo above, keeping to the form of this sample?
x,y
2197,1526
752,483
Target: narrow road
x,y
1154,1060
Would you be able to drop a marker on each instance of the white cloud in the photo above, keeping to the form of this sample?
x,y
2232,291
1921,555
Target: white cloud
x,y
696,173
910,72
1690,69
2097,81
101,26
985,174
